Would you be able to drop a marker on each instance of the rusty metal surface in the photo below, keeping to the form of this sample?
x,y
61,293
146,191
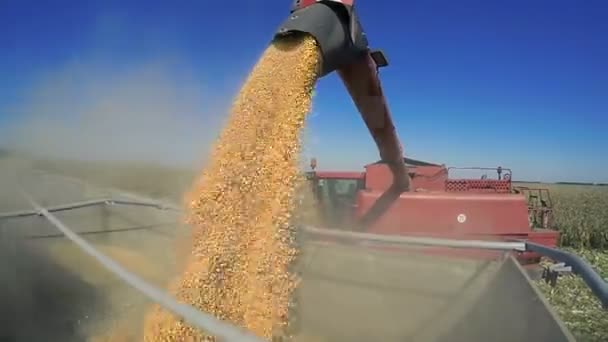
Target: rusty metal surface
x,y
350,294
190,315
58,292
509,309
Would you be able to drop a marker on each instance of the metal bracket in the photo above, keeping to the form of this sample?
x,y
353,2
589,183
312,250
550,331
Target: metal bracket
x,y
552,272
379,58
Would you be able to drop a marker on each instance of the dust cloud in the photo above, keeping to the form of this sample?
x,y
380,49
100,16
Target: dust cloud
x,y
143,128
39,299
153,112
146,126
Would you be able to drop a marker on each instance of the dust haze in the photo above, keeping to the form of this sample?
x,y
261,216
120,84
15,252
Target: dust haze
x,y
145,128
149,113
40,300
142,126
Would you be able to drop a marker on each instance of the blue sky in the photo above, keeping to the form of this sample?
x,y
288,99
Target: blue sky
x,y
523,84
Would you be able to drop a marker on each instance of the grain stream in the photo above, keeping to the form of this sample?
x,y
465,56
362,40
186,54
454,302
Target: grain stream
x,y
240,208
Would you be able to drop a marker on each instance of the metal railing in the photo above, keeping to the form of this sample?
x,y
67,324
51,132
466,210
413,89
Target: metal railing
x,y
420,241
85,204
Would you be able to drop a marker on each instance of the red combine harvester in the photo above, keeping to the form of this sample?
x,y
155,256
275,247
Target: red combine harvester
x,y
436,205
401,196
409,253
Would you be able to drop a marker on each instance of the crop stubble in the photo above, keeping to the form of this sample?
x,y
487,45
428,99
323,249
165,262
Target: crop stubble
x,y
241,207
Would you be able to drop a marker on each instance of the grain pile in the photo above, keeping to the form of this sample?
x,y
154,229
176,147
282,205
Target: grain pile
x,y
240,210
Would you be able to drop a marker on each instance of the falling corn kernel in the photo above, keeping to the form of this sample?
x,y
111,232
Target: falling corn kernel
x,y
240,208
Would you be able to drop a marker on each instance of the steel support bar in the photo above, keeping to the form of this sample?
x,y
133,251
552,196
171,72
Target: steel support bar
x,y
420,241
85,204
152,228
594,281
156,205
190,314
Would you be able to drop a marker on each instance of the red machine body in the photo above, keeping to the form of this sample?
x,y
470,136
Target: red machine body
x,y
435,206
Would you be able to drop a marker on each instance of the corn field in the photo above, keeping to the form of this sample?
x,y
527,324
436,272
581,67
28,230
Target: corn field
x,y
581,216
